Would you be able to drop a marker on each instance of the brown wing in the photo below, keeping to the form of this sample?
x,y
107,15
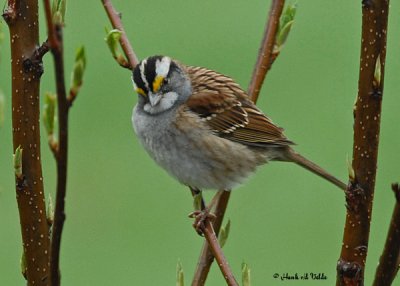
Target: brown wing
x,y
225,107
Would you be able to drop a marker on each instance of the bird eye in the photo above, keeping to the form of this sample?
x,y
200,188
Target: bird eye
x,y
166,81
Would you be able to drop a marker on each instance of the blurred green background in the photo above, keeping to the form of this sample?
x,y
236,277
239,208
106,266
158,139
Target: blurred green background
x,y
127,219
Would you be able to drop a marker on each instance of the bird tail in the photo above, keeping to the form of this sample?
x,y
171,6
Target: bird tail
x,y
314,168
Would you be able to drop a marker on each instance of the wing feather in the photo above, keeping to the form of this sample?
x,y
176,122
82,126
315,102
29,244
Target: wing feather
x,y
226,108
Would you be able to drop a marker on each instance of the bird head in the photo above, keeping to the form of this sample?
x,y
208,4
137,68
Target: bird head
x,y
161,83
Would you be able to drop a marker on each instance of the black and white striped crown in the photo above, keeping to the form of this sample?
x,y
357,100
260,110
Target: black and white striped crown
x,y
151,73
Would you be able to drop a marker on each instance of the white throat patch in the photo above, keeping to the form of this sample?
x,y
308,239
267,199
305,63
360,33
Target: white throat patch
x,y
166,102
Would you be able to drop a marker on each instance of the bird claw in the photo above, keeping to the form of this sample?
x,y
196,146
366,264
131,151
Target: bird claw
x,y
200,217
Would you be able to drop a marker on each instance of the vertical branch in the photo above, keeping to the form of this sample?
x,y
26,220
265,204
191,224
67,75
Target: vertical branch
x,y
265,58
367,114
115,20
22,19
55,42
390,258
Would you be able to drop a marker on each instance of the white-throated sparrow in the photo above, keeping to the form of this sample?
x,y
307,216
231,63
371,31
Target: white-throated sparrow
x,y
202,128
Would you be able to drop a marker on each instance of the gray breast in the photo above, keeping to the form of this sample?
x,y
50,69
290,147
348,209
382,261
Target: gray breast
x,y
192,154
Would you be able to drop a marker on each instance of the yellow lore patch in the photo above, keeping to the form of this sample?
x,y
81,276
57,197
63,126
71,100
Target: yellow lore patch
x,y
157,83
141,91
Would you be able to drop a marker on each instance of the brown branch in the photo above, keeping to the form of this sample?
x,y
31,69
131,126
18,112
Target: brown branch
x,y
265,58
55,40
115,20
390,258
215,248
367,113
206,256
42,50
22,19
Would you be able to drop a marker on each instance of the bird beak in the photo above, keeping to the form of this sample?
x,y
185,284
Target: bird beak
x,y
154,98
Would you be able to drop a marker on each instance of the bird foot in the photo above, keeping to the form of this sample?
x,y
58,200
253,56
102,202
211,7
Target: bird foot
x,y
200,217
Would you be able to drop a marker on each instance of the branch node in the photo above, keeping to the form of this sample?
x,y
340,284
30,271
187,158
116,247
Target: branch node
x,y
21,183
10,12
355,197
362,250
366,4
349,273
376,93
33,65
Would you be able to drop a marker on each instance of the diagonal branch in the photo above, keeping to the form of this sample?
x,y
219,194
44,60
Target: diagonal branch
x,y
367,114
265,57
206,256
263,64
390,258
214,248
115,19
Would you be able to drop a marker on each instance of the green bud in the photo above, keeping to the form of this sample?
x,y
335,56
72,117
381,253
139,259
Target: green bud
x,y
112,40
179,275
49,110
77,74
352,175
245,275
58,10
63,8
78,70
57,18
80,55
288,15
54,5
285,24
17,158
224,233
377,72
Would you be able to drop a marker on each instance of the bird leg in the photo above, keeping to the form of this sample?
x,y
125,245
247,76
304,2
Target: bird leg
x,y
202,212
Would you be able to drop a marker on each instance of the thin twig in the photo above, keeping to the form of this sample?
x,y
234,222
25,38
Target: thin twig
x,y
390,258
265,59
206,256
215,248
55,40
212,241
42,50
115,20
367,113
